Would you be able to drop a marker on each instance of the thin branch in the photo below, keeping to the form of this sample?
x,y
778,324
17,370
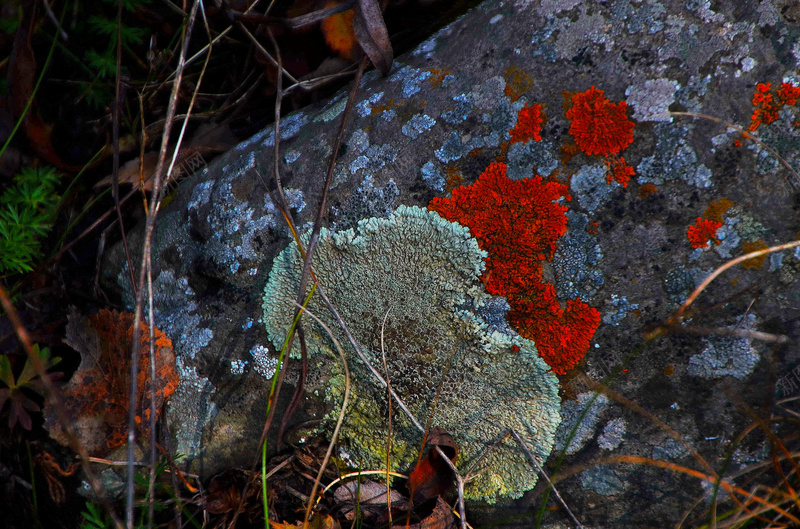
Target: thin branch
x,y
745,133
115,143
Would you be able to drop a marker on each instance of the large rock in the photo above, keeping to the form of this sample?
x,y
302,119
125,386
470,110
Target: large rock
x,y
436,122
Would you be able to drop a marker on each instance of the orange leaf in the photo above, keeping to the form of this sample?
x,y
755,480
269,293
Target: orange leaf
x,y
432,477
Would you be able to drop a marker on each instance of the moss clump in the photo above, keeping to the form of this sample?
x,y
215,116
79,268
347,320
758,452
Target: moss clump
x,y
426,271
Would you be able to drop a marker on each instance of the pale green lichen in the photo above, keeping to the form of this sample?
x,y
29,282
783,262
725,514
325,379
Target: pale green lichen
x,y
426,270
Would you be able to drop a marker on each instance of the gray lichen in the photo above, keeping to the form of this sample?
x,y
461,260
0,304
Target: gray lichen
x,y
673,159
726,356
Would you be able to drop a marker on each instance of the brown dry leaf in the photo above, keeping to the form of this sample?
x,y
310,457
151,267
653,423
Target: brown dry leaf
x,y
96,397
372,35
441,518
320,522
338,32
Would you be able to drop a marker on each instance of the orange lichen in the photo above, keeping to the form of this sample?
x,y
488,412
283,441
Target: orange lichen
x,y
529,124
454,177
702,231
768,104
619,171
338,32
517,83
437,76
756,262
599,126
647,190
377,109
518,223
788,94
717,209
568,151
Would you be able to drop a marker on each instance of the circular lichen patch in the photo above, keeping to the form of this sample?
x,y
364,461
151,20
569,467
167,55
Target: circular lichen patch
x,y
425,272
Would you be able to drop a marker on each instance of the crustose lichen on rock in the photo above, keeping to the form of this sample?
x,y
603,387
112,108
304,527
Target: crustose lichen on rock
x,y
425,271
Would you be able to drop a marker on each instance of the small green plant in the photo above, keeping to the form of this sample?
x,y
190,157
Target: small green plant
x,y
29,380
27,212
94,517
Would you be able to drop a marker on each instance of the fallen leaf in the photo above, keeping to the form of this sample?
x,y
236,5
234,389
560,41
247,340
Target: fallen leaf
x,y
21,80
96,397
372,35
432,477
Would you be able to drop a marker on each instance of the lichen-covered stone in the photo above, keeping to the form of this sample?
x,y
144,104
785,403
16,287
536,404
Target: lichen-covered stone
x,y
425,272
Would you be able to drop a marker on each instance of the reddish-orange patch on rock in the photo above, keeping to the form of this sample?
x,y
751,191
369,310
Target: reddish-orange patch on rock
x,y
619,171
768,104
518,223
702,231
529,124
599,126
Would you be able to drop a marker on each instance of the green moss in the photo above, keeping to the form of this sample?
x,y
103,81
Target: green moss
x,y
426,271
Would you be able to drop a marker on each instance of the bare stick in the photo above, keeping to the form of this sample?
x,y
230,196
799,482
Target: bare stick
x,y
389,418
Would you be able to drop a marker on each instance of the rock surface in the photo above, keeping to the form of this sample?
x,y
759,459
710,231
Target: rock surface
x,y
436,122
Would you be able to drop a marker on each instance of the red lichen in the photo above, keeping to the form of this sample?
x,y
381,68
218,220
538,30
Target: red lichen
x,y
768,105
518,223
788,94
562,336
599,126
619,171
529,124
702,231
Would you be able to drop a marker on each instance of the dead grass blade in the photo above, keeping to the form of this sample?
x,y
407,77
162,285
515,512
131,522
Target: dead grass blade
x,y
339,421
676,318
